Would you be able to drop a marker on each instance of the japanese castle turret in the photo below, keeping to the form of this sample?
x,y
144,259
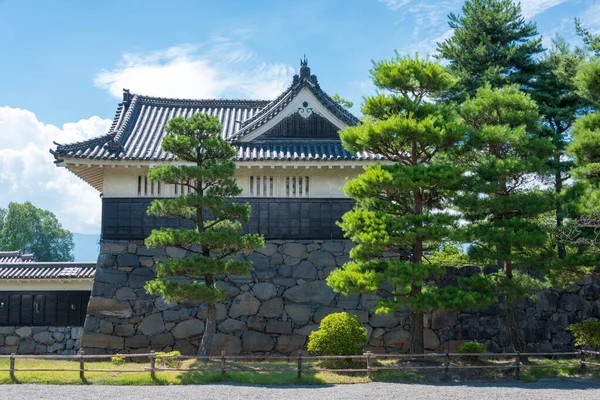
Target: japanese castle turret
x,y
291,166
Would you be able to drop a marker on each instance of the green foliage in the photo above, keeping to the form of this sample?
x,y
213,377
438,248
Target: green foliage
x,y
587,334
587,81
472,347
401,207
218,235
491,44
592,41
499,202
30,229
341,101
117,360
339,334
168,361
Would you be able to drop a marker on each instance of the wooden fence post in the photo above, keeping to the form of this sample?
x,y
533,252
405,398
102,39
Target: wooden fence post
x,y
223,363
369,370
12,366
299,364
582,362
81,365
446,365
153,364
518,366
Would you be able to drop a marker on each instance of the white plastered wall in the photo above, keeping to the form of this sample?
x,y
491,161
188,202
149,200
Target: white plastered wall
x,y
324,182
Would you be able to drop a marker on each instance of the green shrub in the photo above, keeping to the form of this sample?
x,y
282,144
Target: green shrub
x,y
168,362
587,334
472,347
340,334
117,360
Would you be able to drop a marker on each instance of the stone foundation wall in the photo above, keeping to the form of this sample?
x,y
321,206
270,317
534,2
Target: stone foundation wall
x,y
274,309
40,339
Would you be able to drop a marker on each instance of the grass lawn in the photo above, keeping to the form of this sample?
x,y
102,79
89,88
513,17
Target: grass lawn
x,y
262,373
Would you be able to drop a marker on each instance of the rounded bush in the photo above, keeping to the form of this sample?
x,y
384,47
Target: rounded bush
x,y
339,334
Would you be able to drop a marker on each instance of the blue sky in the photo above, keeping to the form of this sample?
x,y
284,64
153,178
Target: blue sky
x,y
64,64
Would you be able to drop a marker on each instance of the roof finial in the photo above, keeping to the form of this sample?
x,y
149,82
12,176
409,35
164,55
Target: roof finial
x,y
304,70
304,61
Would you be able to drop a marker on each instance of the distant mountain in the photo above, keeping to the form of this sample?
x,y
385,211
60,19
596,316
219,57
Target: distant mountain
x,y
86,247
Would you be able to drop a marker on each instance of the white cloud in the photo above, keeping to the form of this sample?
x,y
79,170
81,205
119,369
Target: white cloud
x,y
395,4
531,8
27,172
222,67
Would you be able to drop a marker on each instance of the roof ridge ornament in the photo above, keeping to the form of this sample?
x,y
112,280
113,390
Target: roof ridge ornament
x,y
304,68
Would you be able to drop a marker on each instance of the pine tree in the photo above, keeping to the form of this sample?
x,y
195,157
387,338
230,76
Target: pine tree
x,y
555,93
491,44
585,148
209,173
591,40
500,202
400,205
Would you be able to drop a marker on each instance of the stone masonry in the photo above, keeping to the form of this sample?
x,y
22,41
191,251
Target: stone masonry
x,y
40,339
274,309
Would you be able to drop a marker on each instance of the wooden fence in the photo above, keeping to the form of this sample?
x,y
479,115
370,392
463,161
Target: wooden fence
x,y
514,361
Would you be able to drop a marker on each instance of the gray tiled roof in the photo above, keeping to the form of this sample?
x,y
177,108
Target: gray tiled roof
x,y
47,270
15,257
299,151
138,127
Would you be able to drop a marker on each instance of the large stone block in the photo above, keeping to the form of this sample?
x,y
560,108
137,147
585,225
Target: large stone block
x,y
44,338
128,261
174,252
264,291
176,314
304,270
333,246
102,307
289,343
231,326
124,294
103,289
113,248
295,250
124,330
430,340
253,341
244,304
102,341
278,327
229,288
443,319
398,339
316,292
259,261
299,313
27,346
137,342
257,323
162,340
349,302
110,275
152,324
268,250
139,276
271,308
185,329
23,331
321,258
322,312
232,345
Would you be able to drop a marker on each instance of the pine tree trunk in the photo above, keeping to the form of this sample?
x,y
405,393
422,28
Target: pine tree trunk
x,y
558,185
516,336
209,330
416,333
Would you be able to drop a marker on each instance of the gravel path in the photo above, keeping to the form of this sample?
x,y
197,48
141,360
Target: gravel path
x,y
547,389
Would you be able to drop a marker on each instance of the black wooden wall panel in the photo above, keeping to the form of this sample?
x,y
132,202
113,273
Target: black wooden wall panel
x,y
275,218
43,308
